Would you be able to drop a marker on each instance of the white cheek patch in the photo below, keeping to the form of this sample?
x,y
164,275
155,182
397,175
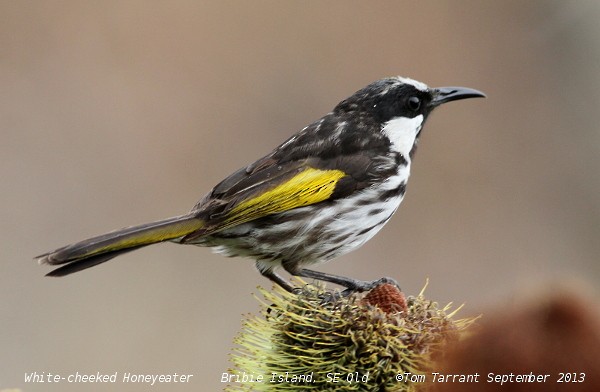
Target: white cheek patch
x,y
402,132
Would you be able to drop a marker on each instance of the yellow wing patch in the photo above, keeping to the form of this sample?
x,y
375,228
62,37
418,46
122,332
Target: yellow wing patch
x,y
307,187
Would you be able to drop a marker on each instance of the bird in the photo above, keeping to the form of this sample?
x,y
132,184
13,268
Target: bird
x,y
322,193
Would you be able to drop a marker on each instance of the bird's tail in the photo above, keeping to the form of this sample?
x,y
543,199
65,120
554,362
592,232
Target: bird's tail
x,y
96,250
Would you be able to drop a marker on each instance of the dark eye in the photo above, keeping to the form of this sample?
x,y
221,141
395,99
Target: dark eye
x,y
413,103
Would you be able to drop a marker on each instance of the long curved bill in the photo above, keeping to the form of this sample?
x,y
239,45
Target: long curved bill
x,y
447,94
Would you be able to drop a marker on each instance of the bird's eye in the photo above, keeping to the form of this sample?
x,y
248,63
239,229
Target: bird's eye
x,y
413,103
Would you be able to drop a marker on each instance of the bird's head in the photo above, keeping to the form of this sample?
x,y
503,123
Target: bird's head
x,y
399,107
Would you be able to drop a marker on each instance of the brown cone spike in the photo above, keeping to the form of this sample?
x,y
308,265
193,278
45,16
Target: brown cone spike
x,y
387,297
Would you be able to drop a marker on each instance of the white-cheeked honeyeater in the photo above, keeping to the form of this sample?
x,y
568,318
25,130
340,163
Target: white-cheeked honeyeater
x,y
322,193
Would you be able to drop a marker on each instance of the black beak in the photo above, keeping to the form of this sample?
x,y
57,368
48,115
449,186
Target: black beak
x,y
446,94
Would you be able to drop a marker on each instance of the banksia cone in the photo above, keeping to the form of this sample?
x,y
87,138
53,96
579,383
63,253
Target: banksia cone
x,y
312,340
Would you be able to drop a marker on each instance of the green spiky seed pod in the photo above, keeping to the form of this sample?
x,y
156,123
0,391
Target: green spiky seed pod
x,y
313,341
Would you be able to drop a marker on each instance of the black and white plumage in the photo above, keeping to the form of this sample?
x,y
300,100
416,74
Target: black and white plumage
x,y
322,193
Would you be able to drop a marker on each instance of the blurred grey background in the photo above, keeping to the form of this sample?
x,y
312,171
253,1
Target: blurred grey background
x,y
117,113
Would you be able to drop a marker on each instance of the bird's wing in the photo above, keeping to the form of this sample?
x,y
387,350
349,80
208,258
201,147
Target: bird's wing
x,y
310,167
269,187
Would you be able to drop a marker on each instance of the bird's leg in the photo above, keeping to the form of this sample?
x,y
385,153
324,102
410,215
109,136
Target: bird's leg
x,y
351,285
273,277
